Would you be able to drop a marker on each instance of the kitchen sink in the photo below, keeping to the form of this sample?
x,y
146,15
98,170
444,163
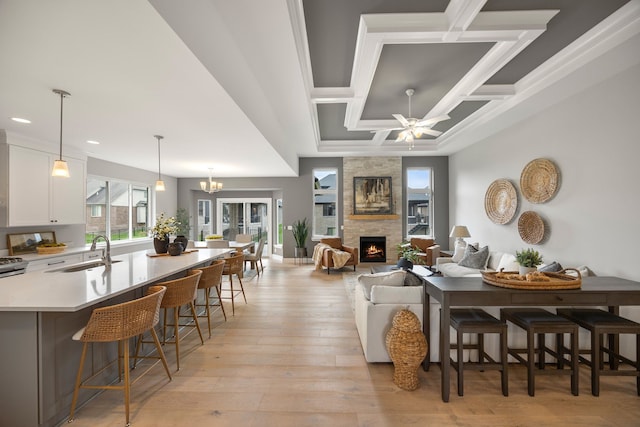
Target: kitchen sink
x,y
81,267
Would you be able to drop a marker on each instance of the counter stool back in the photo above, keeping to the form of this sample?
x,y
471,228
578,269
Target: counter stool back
x,y
211,278
233,266
180,292
120,323
599,323
477,321
536,321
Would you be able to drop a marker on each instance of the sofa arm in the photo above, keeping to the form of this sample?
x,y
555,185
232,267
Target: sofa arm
x,y
435,251
353,251
381,294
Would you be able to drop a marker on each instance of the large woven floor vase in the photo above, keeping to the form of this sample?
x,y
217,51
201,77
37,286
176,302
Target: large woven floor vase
x,y
407,348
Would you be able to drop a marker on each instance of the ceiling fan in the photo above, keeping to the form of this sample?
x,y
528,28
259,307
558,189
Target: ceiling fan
x,y
414,128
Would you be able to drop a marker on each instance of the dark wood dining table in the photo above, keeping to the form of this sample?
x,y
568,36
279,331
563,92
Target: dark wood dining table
x,y
611,292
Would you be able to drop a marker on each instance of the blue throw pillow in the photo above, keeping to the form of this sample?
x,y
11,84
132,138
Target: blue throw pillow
x,y
475,258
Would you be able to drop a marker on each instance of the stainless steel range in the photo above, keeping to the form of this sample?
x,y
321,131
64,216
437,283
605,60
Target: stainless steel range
x,y
10,266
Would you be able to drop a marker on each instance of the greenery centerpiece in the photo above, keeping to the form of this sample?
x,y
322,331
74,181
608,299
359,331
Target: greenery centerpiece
x,y
408,255
164,227
528,259
300,234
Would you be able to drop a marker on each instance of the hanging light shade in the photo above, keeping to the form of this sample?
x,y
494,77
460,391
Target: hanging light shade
x,y
60,167
211,186
159,182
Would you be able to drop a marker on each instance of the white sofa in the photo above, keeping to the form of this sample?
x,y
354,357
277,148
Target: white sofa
x,y
375,306
496,261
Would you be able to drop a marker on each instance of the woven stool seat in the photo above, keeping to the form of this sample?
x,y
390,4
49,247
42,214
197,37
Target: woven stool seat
x,y
538,322
598,323
477,321
407,347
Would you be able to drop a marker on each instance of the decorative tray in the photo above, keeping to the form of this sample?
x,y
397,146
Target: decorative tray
x,y
153,255
512,280
48,250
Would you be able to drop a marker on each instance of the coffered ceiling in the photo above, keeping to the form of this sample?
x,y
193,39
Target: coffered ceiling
x,y
248,86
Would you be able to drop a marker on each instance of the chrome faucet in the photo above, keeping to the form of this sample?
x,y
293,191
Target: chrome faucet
x,y
106,256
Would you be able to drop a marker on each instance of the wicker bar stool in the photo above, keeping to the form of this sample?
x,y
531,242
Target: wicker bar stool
x,y
211,278
120,323
180,292
598,323
537,321
478,321
233,265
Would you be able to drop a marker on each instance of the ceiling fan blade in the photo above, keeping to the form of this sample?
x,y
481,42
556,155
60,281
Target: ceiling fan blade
x,y
385,130
401,119
428,131
432,121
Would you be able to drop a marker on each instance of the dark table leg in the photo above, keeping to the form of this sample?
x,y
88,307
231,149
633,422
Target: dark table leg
x,y
426,328
445,347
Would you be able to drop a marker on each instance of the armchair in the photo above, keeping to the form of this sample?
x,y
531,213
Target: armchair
x,y
429,250
336,243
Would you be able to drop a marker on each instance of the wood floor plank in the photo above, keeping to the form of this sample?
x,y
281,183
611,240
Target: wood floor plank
x,y
291,356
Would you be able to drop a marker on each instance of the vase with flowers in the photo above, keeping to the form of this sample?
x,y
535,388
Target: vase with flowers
x,y
164,227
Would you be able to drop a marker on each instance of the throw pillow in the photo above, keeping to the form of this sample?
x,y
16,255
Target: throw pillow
x,y
508,263
458,251
387,278
412,279
475,258
554,267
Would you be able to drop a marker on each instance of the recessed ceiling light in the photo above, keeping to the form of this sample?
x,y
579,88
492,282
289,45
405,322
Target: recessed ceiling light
x,y
92,142
20,120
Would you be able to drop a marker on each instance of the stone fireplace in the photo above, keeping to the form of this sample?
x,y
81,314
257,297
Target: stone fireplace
x,y
373,249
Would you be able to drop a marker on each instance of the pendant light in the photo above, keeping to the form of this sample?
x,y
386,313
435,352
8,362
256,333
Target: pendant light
x,y
60,167
212,186
159,182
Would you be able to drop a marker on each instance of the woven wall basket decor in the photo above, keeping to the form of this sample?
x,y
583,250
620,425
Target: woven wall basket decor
x,y
500,201
539,180
531,227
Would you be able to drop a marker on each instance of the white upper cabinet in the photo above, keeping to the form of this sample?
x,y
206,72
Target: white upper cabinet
x,y
37,198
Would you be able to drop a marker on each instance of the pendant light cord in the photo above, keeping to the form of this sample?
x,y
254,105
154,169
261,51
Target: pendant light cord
x,y
61,112
159,137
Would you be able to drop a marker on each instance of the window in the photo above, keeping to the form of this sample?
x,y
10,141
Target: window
x,y
419,211
325,200
205,226
125,206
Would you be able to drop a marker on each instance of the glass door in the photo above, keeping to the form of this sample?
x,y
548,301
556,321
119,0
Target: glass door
x,y
245,216
205,226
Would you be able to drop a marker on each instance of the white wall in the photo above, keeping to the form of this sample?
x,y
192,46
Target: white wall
x,y
592,137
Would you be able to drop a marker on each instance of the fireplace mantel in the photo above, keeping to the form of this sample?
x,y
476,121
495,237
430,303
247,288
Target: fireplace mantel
x,y
373,217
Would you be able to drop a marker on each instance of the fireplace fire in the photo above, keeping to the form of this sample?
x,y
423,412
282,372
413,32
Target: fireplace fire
x,y
373,249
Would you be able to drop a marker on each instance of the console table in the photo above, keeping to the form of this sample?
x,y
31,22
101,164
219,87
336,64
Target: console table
x,y
473,292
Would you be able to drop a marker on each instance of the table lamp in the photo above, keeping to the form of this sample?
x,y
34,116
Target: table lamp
x,y
459,232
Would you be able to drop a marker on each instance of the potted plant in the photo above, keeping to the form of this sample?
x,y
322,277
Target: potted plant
x,y
161,231
408,256
300,234
528,259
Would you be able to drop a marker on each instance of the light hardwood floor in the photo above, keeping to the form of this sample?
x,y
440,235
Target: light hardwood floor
x,y
292,357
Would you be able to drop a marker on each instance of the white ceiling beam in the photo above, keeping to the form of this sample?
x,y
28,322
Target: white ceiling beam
x,y
460,14
491,93
331,95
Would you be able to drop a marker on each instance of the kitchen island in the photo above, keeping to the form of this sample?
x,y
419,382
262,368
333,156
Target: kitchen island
x,y
41,310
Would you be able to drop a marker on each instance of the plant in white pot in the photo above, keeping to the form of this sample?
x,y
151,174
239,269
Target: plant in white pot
x,y
528,259
300,234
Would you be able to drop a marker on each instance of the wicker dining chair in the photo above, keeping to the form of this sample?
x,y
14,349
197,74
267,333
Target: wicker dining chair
x,y
180,292
211,278
233,265
120,323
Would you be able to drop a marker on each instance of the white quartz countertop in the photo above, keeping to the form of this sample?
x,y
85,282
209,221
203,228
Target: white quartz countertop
x,y
51,290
